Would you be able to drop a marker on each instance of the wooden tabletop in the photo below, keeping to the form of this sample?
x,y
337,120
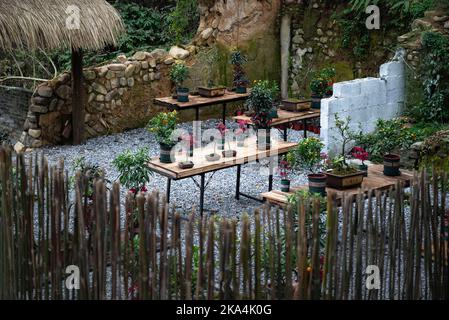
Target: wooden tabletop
x,y
376,180
286,116
246,154
198,101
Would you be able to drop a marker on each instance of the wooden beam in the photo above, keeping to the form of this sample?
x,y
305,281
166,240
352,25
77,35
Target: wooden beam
x,y
78,97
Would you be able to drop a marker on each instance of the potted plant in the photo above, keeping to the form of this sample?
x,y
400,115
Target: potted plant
x,y
307,156
163,126
392,164
222,129
178,74
134,173
226,139
295,105
328,74
211,90
318,86
284,170
213,156
241,134
360,154
343,175
240,82
261,101
187,145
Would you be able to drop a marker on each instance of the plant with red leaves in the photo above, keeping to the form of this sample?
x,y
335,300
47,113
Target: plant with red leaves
x,y
360,154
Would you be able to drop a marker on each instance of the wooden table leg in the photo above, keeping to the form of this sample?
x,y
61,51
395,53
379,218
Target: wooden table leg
x,y
237,186
202,187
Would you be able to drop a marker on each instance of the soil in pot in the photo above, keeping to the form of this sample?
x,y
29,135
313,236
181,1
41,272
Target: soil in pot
x,y
392,164
183,94
317,183
229,153
213,157
186,165
285,185
166,153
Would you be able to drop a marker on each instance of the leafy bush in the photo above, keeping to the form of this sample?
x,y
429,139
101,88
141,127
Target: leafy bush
x,y
390,135
90,171
238,59
435,74
307,155
183,20
133,169
163,126
179,73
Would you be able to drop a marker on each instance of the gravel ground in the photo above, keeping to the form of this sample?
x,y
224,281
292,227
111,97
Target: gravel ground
x,y
219,197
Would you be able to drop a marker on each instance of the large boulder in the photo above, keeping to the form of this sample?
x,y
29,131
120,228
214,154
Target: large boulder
x,y
179,53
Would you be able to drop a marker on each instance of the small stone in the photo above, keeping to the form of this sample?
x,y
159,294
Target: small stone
x,y
207,33
102,72
111,95
35,133
130,70
131,82
320,32
19,147
99,88
45,91
91,98
108,86
446,25
145,65
215,23
152,76
123,82
169,61
118,103
38,109
323,39
119,74
158,54
40,101
440,18
298,39
139,56
115,83
89,75
110,74
157,76
146,78
179,53
121,91
36,144
122,58
100,98
153,63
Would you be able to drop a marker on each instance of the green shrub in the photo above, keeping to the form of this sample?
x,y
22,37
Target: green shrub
x,y
184,20
307,155
163,126
133,169
179,73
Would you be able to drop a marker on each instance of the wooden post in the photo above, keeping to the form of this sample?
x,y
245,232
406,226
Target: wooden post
x,y
78,97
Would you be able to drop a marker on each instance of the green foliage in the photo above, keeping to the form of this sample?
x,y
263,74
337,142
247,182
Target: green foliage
x,y
179,73
435,80
133,169
390,135
307,155
4,137
435,150
238,59
163,126
263,95
183,20
90,171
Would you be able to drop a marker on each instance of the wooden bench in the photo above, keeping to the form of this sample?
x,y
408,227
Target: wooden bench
x,y
376,180
245,155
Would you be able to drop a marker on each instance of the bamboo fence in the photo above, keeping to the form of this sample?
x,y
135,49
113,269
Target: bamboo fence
x,y
140,248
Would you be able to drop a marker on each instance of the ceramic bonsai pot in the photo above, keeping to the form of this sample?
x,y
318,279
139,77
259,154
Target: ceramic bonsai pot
x,y
212,157
285,185
317,183
229,153
392,164
364,168
241,90
316,101
295,105
211,92
186,165
353,180
165,153
183,94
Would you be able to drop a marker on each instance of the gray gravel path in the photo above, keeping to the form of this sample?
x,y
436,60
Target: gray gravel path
x,y
220,193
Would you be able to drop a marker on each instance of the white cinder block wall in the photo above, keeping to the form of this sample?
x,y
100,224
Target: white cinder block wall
x,y
365,101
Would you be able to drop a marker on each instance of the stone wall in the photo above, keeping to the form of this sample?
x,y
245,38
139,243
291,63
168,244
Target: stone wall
x,y
365,101
119,97
13,111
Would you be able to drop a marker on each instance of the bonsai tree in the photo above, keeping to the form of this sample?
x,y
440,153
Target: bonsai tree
x,y
360,154
307,156
261,101
318,86
163,126
178,75
339,164
238,60
328,75
134,173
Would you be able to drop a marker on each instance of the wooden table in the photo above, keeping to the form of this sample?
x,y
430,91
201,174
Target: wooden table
x,y
197,102
376,180
245,155
287,117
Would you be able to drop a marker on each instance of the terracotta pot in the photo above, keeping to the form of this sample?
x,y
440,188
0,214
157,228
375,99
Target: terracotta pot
x,y
392,164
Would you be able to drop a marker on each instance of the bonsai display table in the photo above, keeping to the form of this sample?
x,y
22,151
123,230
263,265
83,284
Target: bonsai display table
x,y
245,155
288,117
376,181
197,102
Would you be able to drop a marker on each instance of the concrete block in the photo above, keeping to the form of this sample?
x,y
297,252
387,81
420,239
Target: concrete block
x,y
392,69
347,89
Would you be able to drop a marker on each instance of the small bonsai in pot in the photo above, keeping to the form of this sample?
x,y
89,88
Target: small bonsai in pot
x,y
307,157
163,125
178,74
261,103
318,86
221,127
187,144
328,75
360,154
284,171
240,82
344,175
241,134
211,90
134,173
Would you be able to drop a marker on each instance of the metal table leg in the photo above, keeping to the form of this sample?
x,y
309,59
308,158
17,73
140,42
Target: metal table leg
x,y
285,133
237,187
168,190
197,114
304,122
202,187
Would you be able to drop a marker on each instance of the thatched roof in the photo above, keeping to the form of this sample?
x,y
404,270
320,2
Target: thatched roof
x,y
33,24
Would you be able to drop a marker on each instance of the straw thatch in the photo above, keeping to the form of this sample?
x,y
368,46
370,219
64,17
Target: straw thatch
x,y
33,24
